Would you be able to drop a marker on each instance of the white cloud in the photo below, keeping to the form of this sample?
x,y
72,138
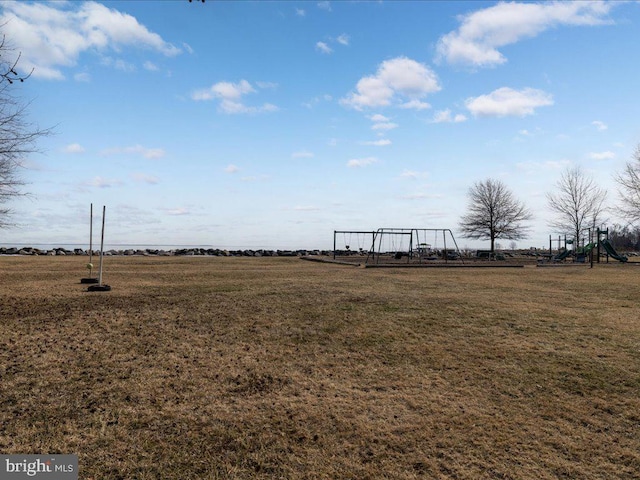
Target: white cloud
x,y
118,64
101,182
236,107
231,168
343,39
148,153
415,104
384,126
306,208
383,142
302,154
316,100
152,153
602,155
361,162
300,12
73,148
150,66
378,118
381,124
324,6
508,102
255,178
323,48
230,95
395,78
82,77
54,35
231,91
599,125
267,85
144,178
483,32
187,48
444,116
177,211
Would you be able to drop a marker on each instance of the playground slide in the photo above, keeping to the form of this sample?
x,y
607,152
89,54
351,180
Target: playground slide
x,y
612,252
587,248
562,255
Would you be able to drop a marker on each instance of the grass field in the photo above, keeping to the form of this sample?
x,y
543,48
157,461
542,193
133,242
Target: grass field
x,y
203,368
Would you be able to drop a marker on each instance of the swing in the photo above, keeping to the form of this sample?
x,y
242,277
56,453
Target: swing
x,y
362,241
398,254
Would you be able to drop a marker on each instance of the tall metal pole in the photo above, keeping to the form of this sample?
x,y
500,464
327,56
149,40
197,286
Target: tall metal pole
x,y
410,256
91,240
444,241
104,208
591,251
334,244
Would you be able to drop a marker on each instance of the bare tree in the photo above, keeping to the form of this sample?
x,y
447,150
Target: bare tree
x,y
578,203
629,182
17,136
494,213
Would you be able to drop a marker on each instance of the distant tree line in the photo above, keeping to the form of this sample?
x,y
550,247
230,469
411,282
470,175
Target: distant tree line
x,y
625,237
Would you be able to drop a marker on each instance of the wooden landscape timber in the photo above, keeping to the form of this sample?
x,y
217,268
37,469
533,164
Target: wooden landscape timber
x,y
248,368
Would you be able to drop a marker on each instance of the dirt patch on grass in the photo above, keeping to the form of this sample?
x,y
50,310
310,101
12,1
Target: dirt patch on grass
x,y
277,368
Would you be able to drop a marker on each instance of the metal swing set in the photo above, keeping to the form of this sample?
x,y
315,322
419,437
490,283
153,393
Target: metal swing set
x,y
400,245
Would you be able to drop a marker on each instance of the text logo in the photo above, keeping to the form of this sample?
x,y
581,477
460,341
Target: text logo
x,y
51,467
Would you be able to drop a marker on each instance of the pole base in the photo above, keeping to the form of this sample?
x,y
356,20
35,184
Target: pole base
x,y
89,280
99,288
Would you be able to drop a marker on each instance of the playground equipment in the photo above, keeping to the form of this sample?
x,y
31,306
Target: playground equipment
x,y
591,247
397,245
363,240
402,247
602,240
411,245
562,255
606,244
584,252
563,251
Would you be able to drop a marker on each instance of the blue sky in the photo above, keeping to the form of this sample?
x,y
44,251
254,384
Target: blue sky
x,y
246,124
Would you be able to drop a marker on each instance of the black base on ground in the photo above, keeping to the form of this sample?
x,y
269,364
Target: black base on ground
x,y
99,288
88,280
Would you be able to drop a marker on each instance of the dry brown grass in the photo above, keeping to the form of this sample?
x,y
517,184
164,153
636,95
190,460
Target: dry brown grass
x,y
202,368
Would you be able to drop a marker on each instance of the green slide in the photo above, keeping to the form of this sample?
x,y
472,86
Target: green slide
x,y
586,249
612,252
562,255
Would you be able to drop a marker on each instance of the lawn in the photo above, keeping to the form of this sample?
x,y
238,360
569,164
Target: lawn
x,y
244,368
